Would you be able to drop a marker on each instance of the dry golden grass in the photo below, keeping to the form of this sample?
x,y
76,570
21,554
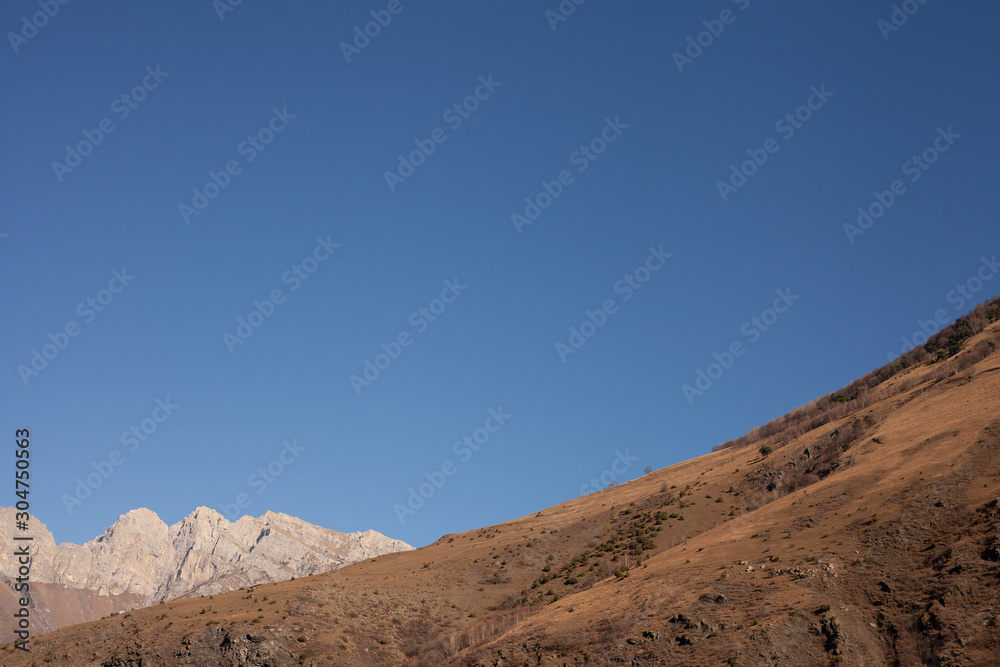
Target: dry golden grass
x,y
866,541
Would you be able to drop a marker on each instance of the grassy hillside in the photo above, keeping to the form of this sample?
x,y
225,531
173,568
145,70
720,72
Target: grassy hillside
x,y
859,530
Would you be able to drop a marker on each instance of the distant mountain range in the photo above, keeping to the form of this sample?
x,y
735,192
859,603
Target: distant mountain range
x,y
140,561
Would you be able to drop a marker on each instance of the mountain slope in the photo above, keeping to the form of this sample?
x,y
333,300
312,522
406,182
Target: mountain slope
x,y
870,539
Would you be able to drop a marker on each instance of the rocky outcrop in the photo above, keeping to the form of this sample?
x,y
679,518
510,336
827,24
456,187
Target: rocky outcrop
x,y
140,560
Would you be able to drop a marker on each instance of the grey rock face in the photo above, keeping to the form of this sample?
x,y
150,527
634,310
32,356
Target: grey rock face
x,y
142,557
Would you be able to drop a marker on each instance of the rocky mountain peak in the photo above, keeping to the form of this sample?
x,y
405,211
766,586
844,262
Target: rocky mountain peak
x,y
206,514
139,560
141,523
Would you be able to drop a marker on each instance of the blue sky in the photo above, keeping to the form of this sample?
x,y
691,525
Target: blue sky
x,y
623,143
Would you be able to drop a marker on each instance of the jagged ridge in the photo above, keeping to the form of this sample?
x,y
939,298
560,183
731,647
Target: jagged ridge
x,y
139,560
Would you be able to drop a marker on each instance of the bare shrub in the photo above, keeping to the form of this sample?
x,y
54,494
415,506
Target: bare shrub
x,y
974,356
498,577
863,392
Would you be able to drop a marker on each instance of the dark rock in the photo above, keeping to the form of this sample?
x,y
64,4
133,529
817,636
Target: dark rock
x,y
830,628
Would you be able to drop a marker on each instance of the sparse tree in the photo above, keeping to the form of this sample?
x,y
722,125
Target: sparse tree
x,y
765,451
648,469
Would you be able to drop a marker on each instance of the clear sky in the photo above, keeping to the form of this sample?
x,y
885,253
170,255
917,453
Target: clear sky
x,y
169,168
